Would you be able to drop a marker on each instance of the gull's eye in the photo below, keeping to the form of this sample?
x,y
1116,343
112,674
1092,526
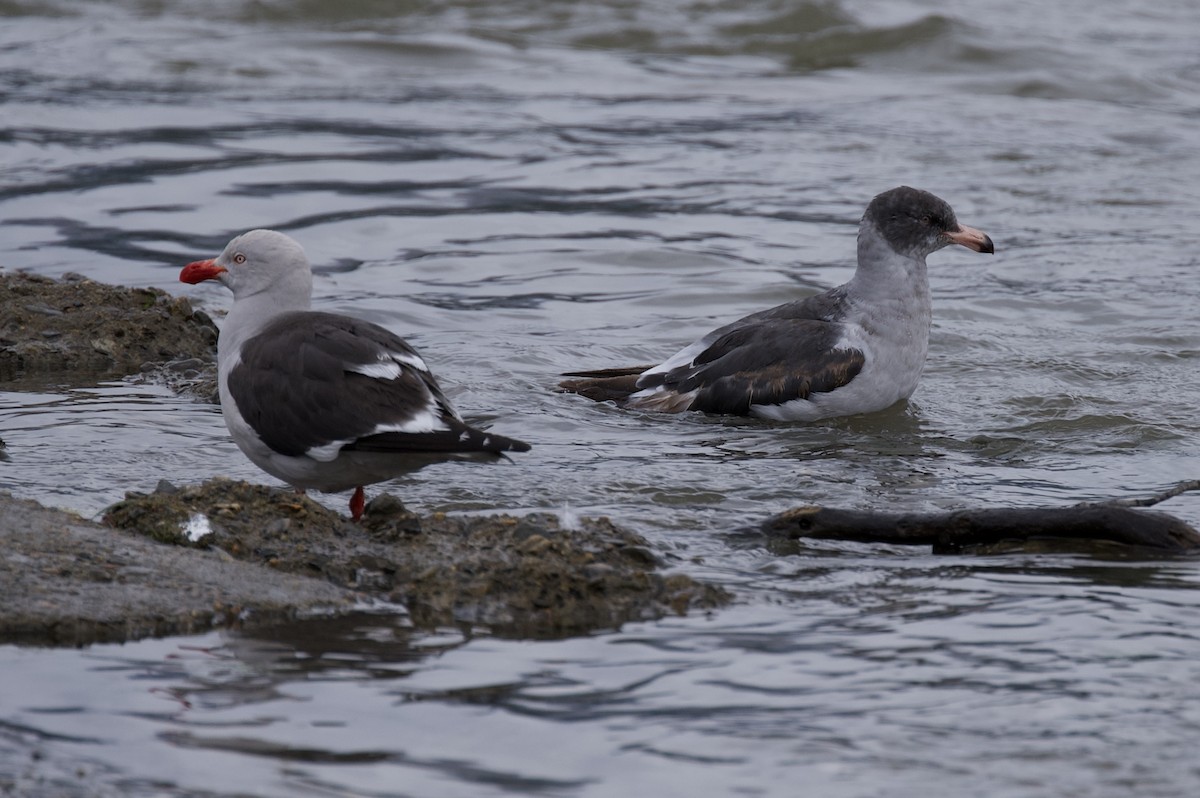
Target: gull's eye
x,y
239,258
927,219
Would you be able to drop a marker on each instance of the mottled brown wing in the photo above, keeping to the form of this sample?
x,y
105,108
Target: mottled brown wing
x,y
768,363
603,385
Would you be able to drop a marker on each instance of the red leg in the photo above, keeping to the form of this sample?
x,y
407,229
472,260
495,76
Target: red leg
x,y
357,502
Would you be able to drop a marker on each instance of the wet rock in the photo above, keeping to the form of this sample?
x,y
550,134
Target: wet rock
x,y
524,577
69,581
50,327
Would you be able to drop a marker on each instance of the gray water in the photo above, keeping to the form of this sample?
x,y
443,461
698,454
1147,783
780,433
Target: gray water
x,y
523,188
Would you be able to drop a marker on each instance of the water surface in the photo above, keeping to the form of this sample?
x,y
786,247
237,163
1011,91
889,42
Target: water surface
x,y
524,188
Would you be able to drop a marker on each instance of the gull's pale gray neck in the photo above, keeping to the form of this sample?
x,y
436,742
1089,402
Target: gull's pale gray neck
x,y
250,314
886,276
268,274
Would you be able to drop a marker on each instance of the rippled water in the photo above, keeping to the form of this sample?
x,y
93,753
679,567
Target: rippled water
x,y
522,188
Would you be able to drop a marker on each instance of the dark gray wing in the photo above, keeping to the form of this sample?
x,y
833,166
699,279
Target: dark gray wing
x,y
314,383
770,357
763,364
830,305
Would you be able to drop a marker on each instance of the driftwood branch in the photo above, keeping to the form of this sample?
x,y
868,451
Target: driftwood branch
x,y
950,532
1148,501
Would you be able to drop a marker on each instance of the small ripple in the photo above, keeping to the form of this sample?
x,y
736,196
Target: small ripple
x,y
517,301
284,753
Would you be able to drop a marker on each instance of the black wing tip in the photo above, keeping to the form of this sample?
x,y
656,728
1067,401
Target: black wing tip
x,y
622,371
490,442
459,440
613,385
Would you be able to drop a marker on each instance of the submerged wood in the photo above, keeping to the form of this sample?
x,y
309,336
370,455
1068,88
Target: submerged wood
x,y
950,532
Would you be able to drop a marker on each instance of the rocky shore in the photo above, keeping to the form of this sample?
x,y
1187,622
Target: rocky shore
x,y
185,559
76,328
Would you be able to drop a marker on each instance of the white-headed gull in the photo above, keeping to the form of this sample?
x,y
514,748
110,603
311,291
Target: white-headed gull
x,y
853,349
324,401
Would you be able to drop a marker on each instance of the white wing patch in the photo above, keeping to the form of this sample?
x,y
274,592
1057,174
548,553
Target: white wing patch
x,y
685,356
383,369
410,359
327,453
428,419
388,365
661,400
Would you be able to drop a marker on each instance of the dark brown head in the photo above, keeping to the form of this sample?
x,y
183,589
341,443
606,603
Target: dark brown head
x,y
916,223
